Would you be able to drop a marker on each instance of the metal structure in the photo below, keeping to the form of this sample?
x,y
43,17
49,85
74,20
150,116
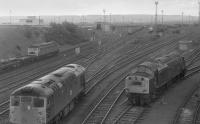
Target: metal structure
x,y
10,16
199,12
162,11
156,15
182,17
110,18
104,15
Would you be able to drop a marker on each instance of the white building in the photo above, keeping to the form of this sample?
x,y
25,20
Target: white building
x,y
31,20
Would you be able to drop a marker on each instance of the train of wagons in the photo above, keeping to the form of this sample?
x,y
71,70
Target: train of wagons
x,y
35,52
47,99
144,83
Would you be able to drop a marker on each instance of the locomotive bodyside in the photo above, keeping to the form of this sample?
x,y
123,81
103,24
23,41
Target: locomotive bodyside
x,y
169,67
43,49
57,92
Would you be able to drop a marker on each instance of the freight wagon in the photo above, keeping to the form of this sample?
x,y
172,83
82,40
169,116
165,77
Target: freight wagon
x,y
142,85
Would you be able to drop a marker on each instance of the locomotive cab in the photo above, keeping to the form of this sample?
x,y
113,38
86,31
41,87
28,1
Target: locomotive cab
x,y
49,98
138,85
27,110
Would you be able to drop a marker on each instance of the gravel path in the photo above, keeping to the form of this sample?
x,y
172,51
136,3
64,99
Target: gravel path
x,y
163,111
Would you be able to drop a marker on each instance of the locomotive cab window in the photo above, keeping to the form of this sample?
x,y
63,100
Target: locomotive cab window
x,y
144,69
15,100
137,83
38,102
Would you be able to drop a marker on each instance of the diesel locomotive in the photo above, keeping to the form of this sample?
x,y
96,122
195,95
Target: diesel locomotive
x,y
144,82
35,52
47,99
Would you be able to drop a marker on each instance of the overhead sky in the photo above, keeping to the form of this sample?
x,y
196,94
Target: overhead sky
x,y
88,7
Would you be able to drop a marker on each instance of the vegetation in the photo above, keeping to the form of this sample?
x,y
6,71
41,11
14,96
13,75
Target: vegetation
x,y
65,33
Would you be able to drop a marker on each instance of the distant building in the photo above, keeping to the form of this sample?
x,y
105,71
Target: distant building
x,y
31,20
104,26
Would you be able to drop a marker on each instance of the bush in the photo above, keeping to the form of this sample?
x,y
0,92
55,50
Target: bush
x,y
37,33
65,33
28,34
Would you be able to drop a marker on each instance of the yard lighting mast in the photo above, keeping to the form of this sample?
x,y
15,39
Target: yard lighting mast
x,y
110,18
156,15
10,16
162,16
182,17
199,12
104,15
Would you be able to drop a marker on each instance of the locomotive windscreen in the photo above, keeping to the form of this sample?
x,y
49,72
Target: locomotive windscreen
x,y
136,83
144,69
38,102
15,100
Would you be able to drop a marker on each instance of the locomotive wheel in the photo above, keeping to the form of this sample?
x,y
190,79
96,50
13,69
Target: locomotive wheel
x,y
137,100
71,106
142,102
66,110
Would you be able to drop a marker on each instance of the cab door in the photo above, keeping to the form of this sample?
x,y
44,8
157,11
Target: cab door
x,y
50,108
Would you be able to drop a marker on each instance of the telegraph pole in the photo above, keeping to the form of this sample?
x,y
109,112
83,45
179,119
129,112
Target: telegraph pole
x,y
39,20
182,17
110,18
10,15
104,15
162,16
199,12
156,15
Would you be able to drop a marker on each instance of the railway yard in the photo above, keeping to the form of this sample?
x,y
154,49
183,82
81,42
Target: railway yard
x,y
107,65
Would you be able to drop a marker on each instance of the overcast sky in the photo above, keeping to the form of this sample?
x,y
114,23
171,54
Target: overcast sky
x,y
88,7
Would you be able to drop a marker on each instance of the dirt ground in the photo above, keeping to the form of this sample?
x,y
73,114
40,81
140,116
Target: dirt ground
x,y
14,41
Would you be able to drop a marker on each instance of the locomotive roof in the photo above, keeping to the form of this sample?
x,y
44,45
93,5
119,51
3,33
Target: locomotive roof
x,y
33,90
152,66
142,74
167,58
46,85
42,44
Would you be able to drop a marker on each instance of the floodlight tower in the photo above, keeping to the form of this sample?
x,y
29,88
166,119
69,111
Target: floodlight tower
x,y
10,16
182,18
199,12
156,15
104,15
162,16
110,18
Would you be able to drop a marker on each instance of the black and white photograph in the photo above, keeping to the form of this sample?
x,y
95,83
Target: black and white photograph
x,y
99,61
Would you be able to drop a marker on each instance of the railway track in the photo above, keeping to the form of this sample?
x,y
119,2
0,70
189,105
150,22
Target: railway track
x,y
94,57
44,62
120,62
104,118
86,61
102,107
35,74
130,115
195,55
137,115
92,117
4,105
188,111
